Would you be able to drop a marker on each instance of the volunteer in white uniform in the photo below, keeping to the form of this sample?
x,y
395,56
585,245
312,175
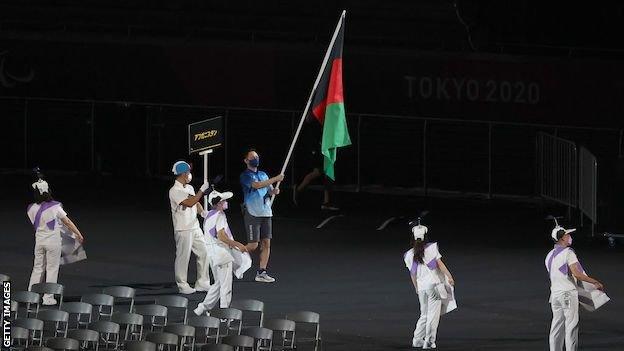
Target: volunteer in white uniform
x,y
425,265
45,215
562,265
185,205
220,241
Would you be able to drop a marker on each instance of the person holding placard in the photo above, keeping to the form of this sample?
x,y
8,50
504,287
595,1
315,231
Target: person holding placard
x,y
185,205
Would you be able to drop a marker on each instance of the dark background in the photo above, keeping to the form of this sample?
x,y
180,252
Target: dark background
x,y
446,96
115,84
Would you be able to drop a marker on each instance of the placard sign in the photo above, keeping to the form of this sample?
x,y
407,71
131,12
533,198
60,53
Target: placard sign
x,y
204,135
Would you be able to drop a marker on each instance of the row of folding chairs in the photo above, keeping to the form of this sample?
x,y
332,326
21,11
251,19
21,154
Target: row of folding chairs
x,y
123,327
177,337
105,302
101,306
232,343
129,346
155,316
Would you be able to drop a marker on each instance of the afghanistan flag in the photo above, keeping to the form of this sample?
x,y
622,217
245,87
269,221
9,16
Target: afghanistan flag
x,y
328,105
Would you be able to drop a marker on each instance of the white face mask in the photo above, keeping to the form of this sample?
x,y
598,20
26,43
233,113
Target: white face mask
x,y
189,177
224,206
570,241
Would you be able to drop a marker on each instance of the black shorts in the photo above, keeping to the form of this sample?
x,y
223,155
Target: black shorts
x,y
257,228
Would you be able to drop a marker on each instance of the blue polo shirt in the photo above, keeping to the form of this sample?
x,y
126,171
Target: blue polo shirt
x,y
256,200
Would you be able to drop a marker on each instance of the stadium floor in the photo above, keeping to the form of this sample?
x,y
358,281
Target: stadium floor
x,y
348,271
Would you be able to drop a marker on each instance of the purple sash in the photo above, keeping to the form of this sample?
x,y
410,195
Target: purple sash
x,y
44,206
433,264
213,231
564,267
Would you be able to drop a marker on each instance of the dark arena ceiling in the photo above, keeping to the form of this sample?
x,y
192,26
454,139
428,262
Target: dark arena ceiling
x,y
514,27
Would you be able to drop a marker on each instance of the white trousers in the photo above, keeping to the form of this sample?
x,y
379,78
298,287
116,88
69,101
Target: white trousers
x,y
188,241
430,309
564,327
47,260
221,290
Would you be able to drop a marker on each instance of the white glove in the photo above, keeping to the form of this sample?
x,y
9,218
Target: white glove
x,y
204,187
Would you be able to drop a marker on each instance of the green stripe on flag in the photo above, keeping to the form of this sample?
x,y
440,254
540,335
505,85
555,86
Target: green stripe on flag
x,y
335,135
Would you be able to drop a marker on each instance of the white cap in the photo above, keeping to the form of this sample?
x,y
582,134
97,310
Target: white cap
x,y
42,186
223,196
419,232
556,230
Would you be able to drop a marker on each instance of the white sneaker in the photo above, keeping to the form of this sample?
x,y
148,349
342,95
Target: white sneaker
x,y
429,346
49,301
264,277
186,290
200,309
418,343
199,287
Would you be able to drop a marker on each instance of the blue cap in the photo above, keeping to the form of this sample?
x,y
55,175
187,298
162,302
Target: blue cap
x,y
180,167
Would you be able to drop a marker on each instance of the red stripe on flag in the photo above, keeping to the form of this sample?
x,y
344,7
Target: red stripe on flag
x,y
334,93
319,111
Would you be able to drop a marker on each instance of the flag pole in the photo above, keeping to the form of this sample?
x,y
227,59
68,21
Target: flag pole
x,y
307,106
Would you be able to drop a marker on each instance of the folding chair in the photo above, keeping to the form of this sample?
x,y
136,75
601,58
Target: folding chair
x,y
286,327
121,293
262,337
137,345
28,298
206,323
33,326
62,344
164,339
230,315
38,348
307,317
19,334
239,341
49,288
59,318
250,306
104,304
174,302
81,310
109,333
156,315
131,322
217,347
185,333
88,339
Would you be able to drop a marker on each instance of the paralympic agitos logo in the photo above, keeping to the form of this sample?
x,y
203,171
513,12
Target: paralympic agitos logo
x,y
206,135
